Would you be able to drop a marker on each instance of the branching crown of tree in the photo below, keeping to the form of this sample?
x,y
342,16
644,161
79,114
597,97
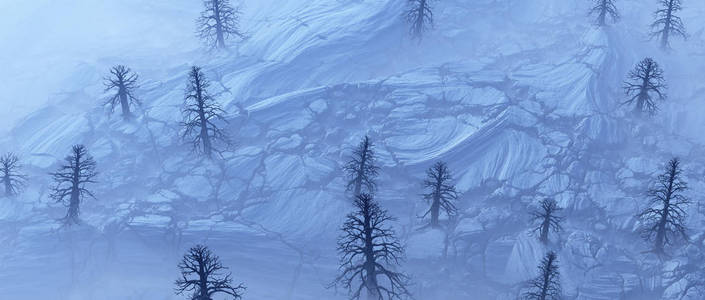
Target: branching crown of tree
x,y
603,9
201,115
546,286
361,169
420,17
369,249
644,86
71,179
124,83
546,219
441,192
218,23
11,175
667,23
203,275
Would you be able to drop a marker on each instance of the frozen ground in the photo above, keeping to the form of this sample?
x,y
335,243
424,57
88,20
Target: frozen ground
x,y
519,97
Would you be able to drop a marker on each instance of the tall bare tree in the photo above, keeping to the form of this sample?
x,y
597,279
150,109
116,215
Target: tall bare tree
x,y
667,23
368,250
124,83
603,9
71,179
202,114
546,219
441,192
202,275
11,175
419,15
361,169
644,86
219,22
664,219
546,286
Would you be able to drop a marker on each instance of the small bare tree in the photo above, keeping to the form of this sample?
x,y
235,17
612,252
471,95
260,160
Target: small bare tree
x,y
124,83
11,175
71,179
546,286
645,85
442,193
361,169
201,115
218,22
367,248
546,219
603,9
202,274
667,23
664,219
420,16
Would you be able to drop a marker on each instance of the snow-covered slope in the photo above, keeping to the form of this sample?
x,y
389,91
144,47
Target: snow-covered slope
x,y
521,98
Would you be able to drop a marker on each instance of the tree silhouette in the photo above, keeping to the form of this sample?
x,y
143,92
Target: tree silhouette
x,y
664,219
219,22
71,179
124,82
202,275
546,219
420,16
368,249
201,113
667,23
603,9
361,169
442,194
11,175
546,286
645,85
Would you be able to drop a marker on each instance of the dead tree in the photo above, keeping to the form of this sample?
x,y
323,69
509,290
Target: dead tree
x,y
219,21
124,83
71,179
667,23
11,174
202,275
603,9
420,17
368,250
361,169
442,193
546,286
664,220
644,86
201,115
546,219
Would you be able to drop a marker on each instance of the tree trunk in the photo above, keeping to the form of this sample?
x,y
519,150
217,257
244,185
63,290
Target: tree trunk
x,y
8,185
125,105
544,229
220,40
205,137
435,210
72,215
371,282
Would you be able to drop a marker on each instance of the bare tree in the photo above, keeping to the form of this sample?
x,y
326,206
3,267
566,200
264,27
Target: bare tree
x,y
645,85
442,193
124,82
546,219
546,286
201,113
218,22
667,23
71,179
361,169
664,219
203,275
368,249
420,16
11,174
603,9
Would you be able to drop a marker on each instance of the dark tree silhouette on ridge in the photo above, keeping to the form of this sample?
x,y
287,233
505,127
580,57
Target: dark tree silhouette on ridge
x,y
201,114
202,275
218,23
11,175
124,82
71,179
645,85
603,9
442,193
546,219
667,23
368,250
361,170
419,15
547,285
664,219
